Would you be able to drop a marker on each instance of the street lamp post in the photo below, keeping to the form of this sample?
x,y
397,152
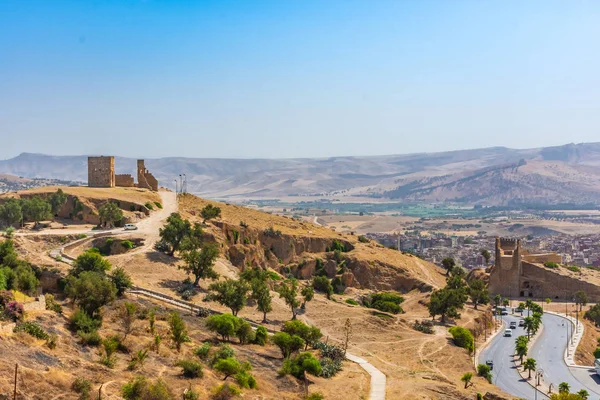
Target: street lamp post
x,y
176,191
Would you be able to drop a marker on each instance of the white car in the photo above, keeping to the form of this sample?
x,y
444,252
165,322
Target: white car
x,y
508,332
130,227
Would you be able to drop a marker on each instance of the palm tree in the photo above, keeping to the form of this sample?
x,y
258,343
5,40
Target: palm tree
x,y
564,387
529,365
466,378
529,325
521,350
583,394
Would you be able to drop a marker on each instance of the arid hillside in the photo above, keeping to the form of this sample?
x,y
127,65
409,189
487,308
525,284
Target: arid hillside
x,y
253,238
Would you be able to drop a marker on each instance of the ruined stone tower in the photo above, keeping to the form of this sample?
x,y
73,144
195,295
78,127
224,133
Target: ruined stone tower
x,y
146,179
101,172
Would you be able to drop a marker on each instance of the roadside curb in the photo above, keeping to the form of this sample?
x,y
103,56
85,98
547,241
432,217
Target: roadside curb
x,y
572,347
487,342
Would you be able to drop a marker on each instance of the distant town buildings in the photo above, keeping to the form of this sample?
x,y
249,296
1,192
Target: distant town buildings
x,y
580,250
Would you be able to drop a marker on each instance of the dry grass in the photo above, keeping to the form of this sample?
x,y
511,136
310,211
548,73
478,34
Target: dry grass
x,y
134,195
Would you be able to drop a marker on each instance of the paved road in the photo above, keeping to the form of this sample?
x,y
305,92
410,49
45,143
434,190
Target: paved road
x,y
505,374
548,351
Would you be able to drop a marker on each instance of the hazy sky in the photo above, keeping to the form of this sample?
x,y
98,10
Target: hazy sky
x,y
295,78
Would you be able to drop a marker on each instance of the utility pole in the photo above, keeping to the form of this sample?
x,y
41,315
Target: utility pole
x,y
15,390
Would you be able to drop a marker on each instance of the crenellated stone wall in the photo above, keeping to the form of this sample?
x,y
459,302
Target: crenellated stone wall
x,y
145,179
124,180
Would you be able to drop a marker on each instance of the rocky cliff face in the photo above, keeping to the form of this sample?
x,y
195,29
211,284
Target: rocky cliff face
x,y
303,256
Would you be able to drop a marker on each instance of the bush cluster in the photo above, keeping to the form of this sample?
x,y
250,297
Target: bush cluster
x,y
386,302
425,326
33,329
462,337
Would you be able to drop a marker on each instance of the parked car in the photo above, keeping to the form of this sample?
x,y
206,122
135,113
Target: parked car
x,y
513,325
521,322
490,364
508,332
130,227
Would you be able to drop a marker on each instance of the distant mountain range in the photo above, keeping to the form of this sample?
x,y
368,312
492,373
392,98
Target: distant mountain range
x,y
490,176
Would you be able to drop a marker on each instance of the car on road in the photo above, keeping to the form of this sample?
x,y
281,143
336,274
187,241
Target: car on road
x,y
490,364
513,325
521,322
508,332
130,227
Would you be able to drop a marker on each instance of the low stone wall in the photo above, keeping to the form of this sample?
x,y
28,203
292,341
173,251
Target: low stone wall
x,y
124,180
542,258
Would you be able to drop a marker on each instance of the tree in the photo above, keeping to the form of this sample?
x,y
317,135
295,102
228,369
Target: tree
x,y
564,387
90,291
128,315
224,325
593,314
209,212
200,263
175,231
308,333
485,371
529,365
478,292
262,295
305,362
287,343
228,367
90,261
178,330
11,212
288,290
307,293
231,293
486,255
36,209
466,378
446,303
531,325
505,302
497,300
57,200
122,280
448,263
322,284
584,394
462,337
581,299
521,347
110,214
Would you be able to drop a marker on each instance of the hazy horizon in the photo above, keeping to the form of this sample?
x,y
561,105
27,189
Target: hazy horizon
x,y
311,79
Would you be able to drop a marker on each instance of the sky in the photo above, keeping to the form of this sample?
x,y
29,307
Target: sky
x,y
295,78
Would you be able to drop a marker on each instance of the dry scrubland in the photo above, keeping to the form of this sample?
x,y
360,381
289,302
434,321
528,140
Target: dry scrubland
x,y
417,365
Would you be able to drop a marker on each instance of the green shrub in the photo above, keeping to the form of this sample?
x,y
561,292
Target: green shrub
x,y
224,325
574,268
158,205
261,336
190,368
139,388
425,326
597,352
203,351
89,338
32,329
351,302
245,380
82,386
323,285
149,206
315,396
363,239
271,232
80,321
462,337
51,341
128,244
226,392
52,305
224,351
387,302
484,371
550,264
274,276
244,332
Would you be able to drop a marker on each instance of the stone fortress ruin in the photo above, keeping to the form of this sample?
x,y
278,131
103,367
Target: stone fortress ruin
x,y
101,174
519,273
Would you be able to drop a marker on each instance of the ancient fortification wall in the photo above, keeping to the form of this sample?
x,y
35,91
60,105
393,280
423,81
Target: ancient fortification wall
x,y
101,172
146,179
518,273
124,180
